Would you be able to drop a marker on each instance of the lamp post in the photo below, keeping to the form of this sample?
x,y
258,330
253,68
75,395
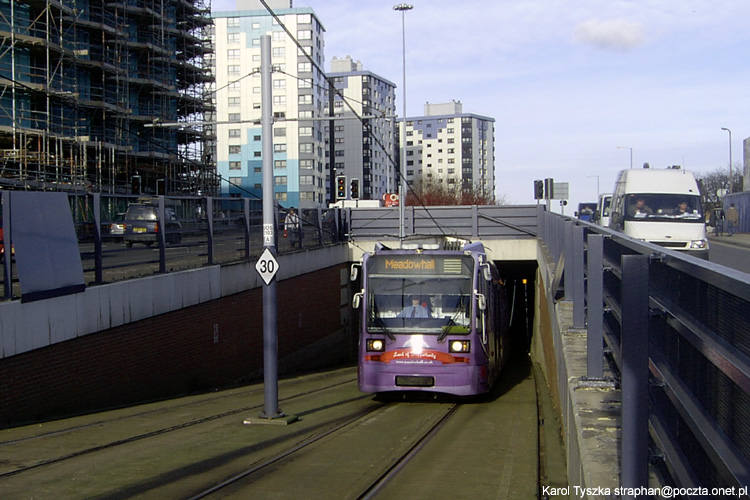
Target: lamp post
x,y
403,7
731,175
631,154
597,184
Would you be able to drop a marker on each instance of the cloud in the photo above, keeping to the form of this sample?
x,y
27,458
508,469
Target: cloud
x,y
617,34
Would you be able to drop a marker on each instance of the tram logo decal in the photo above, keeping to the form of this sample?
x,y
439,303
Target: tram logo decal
x,y
409,356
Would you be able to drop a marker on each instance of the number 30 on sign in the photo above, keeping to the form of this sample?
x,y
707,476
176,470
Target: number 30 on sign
x,y
267,266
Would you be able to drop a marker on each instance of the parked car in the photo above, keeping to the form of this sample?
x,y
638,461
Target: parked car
x,y
117,227
142,225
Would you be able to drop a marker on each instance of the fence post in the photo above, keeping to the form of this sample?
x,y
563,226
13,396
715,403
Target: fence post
x,y
634,362
97,209
246,211
595,306
568,259
576,268
8,245
210,221
162,236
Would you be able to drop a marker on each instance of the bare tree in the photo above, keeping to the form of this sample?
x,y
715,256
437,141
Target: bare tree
x,y
715,184
439,194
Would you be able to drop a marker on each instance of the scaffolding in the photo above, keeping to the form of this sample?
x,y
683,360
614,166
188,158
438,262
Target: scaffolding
x,y
85,86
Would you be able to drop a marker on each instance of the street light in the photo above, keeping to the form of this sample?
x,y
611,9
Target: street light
x,y
403,7
597,184
730,159
631,154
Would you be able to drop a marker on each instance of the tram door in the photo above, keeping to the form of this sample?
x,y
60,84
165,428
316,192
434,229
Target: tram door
x,y
485,323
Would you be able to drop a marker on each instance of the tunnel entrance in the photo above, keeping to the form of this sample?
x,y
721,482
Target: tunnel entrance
x,y
520,276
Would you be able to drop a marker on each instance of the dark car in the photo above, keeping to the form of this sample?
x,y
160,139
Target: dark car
x,y
142,225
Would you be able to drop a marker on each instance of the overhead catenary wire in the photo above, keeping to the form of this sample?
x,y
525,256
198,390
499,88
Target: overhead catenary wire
x,y
302,49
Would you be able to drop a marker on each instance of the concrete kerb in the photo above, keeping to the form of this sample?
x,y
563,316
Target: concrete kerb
x,y
593,415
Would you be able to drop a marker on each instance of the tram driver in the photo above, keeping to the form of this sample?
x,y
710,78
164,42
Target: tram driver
x,y
415,310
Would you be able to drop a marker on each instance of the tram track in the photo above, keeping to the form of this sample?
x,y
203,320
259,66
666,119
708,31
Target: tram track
x,y
254,480
123,420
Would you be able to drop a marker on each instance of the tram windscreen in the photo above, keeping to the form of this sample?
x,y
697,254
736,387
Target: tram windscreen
x,y
424,293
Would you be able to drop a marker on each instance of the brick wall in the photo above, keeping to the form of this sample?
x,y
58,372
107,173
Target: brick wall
x,y
212,345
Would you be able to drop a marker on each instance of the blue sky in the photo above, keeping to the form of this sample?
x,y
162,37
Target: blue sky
x,y
567,81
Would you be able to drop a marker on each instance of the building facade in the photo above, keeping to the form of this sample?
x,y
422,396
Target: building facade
x,y
89,88
364,129
298,101
450,148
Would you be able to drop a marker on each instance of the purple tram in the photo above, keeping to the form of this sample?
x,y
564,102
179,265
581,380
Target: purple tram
x,y
432,320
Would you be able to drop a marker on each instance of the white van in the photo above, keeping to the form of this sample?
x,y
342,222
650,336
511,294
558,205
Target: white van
x,y
662,207
601,216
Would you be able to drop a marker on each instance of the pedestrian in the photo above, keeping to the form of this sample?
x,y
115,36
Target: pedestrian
x,y
733,219
292,227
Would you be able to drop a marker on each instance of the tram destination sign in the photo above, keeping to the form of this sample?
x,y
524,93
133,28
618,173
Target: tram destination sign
x,y
419,264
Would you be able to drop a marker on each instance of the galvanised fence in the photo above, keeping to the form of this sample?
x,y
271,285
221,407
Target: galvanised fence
x,y
205,231
676,330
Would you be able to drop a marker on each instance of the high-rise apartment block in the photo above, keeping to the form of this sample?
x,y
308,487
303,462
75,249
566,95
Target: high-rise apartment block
x,y
298,102
364,129
450,148
92,91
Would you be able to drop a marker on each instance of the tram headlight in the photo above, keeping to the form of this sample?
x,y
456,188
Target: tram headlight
x,y
459,346
375,345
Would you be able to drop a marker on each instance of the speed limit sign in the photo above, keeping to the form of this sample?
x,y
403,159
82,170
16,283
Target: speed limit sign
x,y
267,266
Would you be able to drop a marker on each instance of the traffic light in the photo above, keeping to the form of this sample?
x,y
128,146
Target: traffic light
x,y
355,189
340,187
549,188
135,184
538,189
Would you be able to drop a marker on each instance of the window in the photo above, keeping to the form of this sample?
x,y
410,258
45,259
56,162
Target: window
x,y
304,83
304,19
279,84
304,34
256,138
306,114
233,101
306,148
306,179
234,133
235,85
256,26
233,69
304,67
307,195
237,181
280,164
233,22
279,180
235,150
235,117
278,51
258,170
256,154
280,196
279,132
306,164
233,54
305,131
233,37
305,99
235,165
279,148
279,100
278,36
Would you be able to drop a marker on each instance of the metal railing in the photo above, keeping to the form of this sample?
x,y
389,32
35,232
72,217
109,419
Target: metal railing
x,y
676,331
209,231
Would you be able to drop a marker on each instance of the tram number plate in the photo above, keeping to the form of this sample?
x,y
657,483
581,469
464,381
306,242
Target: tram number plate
x,y
413,381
